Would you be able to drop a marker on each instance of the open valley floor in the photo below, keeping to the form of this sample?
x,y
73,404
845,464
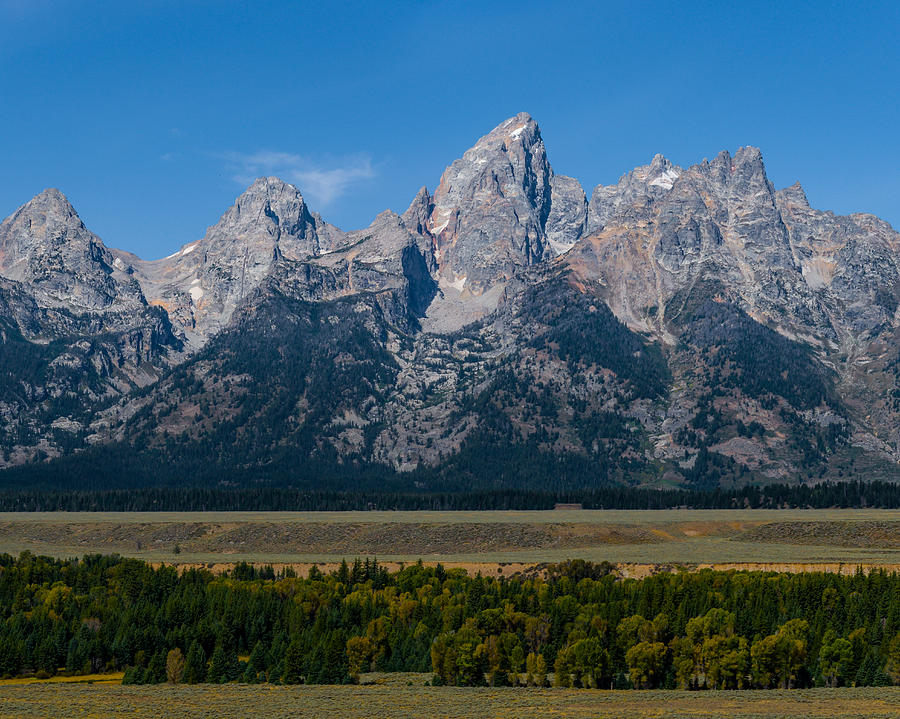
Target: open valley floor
x,y
638,541
397,699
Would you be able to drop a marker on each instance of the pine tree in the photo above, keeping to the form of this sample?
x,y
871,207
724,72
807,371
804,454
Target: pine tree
x,y
218,666
156,670
234,669
865,677
293,664
893,659
195,665
133,675
343,573
256,665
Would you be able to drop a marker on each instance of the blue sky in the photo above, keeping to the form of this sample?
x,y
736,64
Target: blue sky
x,y
152,116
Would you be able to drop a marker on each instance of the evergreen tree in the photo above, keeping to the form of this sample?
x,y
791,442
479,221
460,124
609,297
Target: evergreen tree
x,y
256,665
195,664
133,675
893,659
218,672
234,669
156,669
293,664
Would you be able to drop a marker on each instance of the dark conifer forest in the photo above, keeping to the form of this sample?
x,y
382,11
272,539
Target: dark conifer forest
x,y
884,495
576,625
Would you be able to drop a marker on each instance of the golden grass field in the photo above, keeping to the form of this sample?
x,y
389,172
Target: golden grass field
x,y
111,678
396,699
834,540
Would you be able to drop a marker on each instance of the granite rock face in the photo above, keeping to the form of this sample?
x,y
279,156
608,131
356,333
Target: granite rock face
x,y
807,273
201,285
638,187
568,216
75,329
45,245
686,325
664,236
491,208
497,209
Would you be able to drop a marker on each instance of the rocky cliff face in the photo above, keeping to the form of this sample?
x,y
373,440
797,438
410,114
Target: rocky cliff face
x,y
201,285
75,330
666,239
491,208
807,273
46,246
691,326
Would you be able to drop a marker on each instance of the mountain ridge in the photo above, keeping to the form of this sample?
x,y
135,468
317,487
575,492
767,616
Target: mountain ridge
x,y
685,326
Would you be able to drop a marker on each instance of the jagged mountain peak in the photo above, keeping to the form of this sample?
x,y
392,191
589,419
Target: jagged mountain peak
x,y
416,215
523,118
491,206
748,154
660,173
51,198
660,163
635,188
269,219
267,201
270,181
201,285
46,212
274,194
46,222
501,295
516,135
46,245
520,129
746,162
795,195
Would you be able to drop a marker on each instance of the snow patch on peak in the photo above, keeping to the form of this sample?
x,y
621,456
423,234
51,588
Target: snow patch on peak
x,y
666,180
440,228
458,283
560,248
440,218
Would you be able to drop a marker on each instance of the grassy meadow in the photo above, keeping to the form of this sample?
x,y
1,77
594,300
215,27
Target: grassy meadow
x,y
775,538
395,698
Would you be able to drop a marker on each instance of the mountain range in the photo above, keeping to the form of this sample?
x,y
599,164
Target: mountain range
x,y
684,327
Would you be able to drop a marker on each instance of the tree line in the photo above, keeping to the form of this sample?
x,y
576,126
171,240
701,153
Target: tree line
x,y
576,624
271,498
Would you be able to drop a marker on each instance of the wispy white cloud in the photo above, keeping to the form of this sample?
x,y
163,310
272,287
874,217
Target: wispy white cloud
x,y
320,184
